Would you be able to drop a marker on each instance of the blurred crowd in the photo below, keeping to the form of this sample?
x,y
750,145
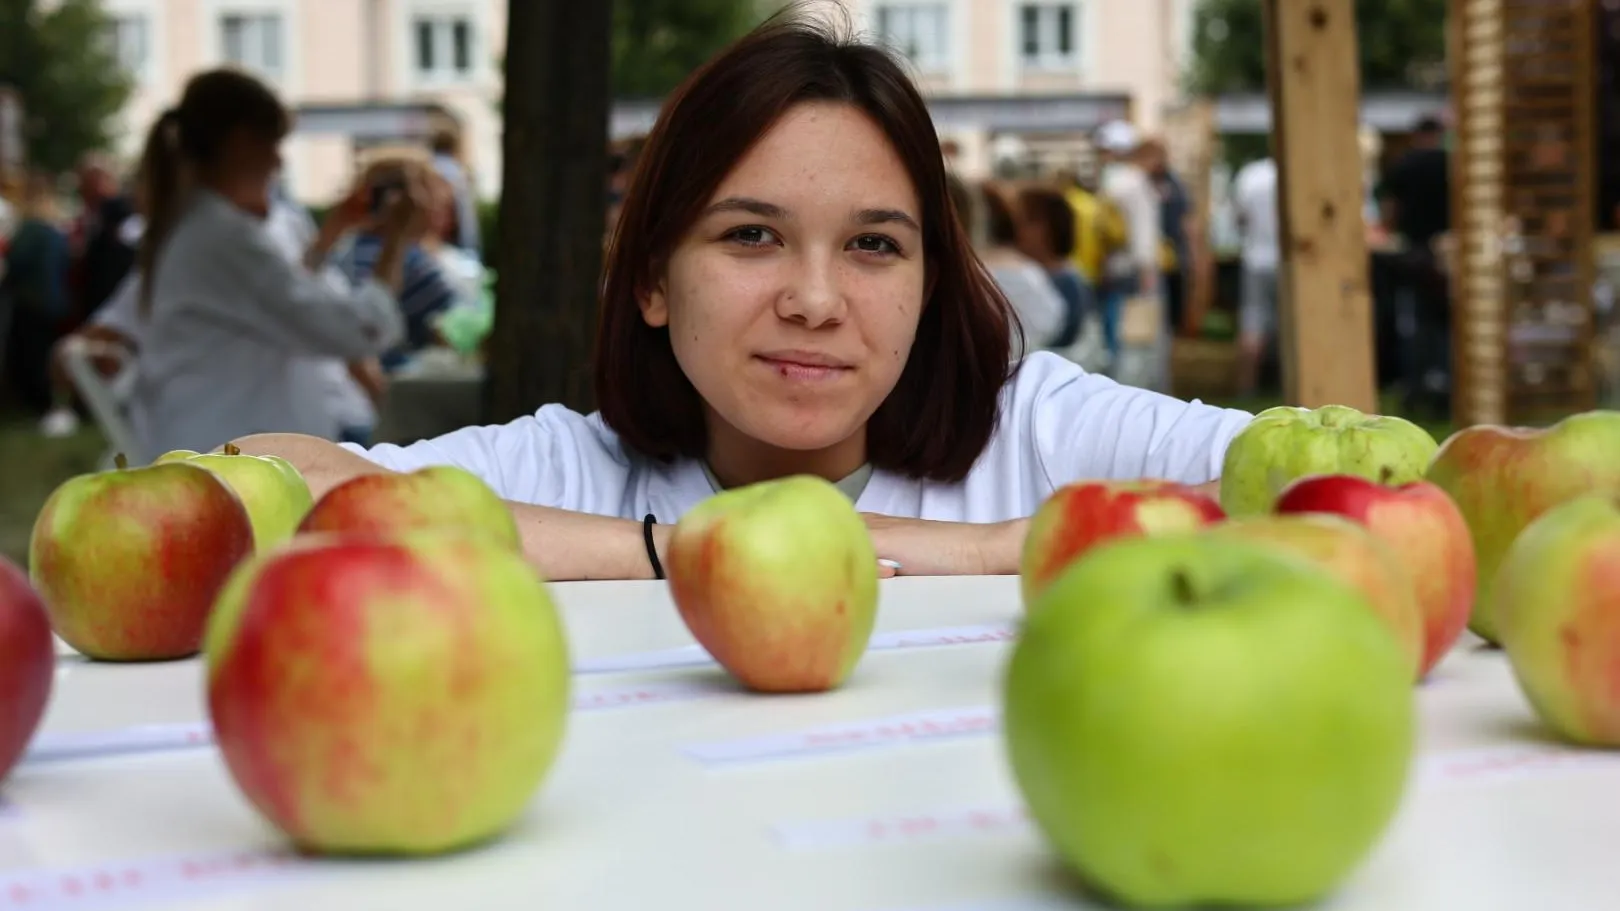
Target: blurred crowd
x,y
146,267
132,288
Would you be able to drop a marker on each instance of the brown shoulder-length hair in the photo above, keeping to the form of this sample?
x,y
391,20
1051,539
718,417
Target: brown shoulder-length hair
x,y
943,410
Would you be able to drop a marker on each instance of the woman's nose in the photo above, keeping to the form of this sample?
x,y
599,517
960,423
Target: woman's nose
x,y
813,296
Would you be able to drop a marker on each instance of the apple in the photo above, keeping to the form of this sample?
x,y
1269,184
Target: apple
x,y
27,663
129,561
1285,443
1350,552
1077,517
274,492
436,497
778,581
1557,608
1200,721
1424,530
377,695
1504,477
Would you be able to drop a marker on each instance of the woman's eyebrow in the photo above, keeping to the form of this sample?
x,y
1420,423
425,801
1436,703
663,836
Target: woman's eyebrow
x,y
886,217
747,204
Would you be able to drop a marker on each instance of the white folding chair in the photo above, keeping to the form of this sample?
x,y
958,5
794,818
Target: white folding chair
x,y
107,398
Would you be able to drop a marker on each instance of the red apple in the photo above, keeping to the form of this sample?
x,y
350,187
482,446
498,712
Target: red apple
x,y
128,562
1426,532
1078,517
1352,553
437,498
388,696
27,661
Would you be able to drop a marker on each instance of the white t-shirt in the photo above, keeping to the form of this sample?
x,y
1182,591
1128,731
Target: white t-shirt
x,y
1254,193
1058,424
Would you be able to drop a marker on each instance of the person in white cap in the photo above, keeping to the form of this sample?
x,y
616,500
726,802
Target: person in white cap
x,y
1133,271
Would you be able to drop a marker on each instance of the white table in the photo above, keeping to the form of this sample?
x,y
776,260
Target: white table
x,y
627,821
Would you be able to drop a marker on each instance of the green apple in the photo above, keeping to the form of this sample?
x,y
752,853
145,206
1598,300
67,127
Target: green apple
x,y
778,581
1286,443
1557,608
274,492
379,695
1502,478
1196,720
436,497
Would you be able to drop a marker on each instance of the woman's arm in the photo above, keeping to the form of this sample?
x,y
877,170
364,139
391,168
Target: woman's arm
x,y
563,545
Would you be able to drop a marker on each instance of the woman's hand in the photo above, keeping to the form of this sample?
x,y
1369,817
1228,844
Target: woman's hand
x,y
927,548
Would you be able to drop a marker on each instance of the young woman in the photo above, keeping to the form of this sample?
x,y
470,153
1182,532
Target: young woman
x,y
789,291
231,326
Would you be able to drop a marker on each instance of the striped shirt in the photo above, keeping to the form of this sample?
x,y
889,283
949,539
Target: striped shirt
x,y
424,293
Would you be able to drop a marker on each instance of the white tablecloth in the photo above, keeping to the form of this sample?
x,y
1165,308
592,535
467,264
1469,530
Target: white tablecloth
x,y
921,815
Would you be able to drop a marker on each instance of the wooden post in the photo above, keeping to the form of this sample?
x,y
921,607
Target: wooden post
x,y
1325,325
553,205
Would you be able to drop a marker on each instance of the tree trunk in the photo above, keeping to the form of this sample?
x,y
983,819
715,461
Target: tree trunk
x,y
553,206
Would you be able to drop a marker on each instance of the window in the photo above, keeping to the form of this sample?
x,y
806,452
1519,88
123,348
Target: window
x,y
918,30
252,41
443,47
126,39
1048,35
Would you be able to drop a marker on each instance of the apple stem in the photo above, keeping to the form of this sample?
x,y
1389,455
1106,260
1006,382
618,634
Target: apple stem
x,y
120,461
231,449
1181,586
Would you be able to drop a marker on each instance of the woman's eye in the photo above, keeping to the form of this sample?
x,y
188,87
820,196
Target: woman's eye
x,y
751,236
876,243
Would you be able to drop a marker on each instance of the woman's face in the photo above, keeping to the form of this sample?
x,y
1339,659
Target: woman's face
x,y
793,300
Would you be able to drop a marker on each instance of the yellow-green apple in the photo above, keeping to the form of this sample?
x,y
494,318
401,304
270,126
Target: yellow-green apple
x,y
1196,721
1079,516
1557,608
274,492
376,695
436,497
1424,530
1350,552
1285,443
129,561
27,663
176,455
1504,477
778,581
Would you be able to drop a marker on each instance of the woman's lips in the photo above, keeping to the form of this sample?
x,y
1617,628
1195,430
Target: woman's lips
x,y
804,368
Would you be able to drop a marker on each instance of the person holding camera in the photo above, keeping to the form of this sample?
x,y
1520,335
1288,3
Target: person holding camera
x,y
231,327
424,291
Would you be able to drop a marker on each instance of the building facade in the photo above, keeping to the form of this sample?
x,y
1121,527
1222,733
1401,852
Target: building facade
x,y
362,71
338,62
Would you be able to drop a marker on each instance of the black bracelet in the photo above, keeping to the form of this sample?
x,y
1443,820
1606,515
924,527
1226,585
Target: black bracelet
x,y
652,551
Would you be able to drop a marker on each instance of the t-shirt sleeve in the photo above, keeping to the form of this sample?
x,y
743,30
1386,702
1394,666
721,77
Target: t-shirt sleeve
x,y
302,310
554,457
1086,426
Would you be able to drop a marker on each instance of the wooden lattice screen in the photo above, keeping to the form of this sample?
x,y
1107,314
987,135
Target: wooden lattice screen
x,y
1522,177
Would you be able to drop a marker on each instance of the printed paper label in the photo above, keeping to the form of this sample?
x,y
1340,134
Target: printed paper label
x,y
144,882
1507,763
695,656
52,747
888,830
57,747
881,732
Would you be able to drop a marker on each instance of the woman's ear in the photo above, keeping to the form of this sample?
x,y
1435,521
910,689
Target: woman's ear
x,y
654,304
